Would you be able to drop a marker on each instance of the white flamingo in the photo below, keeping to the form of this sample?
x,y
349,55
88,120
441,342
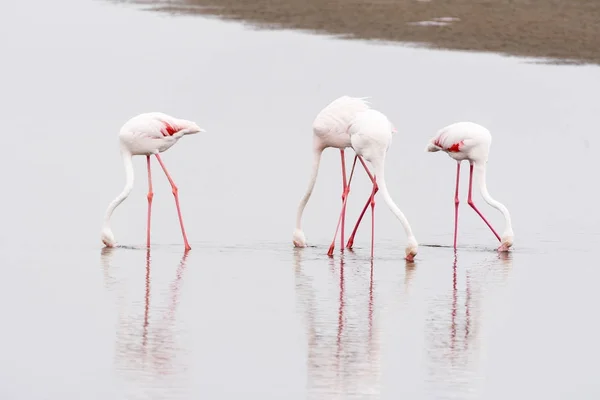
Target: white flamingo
x,y
470,141
148,134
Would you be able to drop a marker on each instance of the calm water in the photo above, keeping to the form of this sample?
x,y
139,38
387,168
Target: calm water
x,y
245,314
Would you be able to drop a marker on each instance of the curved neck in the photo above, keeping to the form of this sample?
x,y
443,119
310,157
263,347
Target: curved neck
x,y
313,178
127,162
380,179
480,169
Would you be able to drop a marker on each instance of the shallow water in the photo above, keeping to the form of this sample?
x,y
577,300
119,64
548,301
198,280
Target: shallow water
x,y
244,313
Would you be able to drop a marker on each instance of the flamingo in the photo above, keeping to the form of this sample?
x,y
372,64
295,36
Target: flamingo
x,y
148,134
470,141
331,128
371,136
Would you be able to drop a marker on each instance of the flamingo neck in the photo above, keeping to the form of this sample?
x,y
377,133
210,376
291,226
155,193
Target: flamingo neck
x,y
480,171
378,165
129,178
313,178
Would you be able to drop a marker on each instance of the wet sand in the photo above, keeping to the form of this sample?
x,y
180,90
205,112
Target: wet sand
x,y
558,31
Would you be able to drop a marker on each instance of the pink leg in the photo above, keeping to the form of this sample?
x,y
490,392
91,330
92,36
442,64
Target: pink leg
x,y
470,201
175,193
344,199
150,196
360,217
375,188
456,201
346,190
364,210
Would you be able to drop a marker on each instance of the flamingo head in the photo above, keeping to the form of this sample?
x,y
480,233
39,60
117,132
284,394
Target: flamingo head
x,y
299,239
412,248
108,238
507,241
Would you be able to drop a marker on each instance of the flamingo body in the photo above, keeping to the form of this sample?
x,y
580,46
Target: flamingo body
x,y
371,135
463,141
154,132
330,127
470,141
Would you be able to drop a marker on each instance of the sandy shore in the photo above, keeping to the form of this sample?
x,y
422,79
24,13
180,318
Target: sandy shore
x,y
561,30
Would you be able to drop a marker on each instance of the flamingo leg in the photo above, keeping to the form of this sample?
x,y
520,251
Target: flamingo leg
x,y
346,190
456,201
372,202
150,196
344,201
470,201
364,210
175,193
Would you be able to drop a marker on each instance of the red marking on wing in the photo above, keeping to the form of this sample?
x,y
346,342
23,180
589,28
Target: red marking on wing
x,y
168,129
455,148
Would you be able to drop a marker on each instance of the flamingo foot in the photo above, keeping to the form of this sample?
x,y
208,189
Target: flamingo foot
x,y
330,251
350,242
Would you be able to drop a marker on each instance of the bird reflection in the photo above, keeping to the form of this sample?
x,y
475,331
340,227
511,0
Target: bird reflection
x,y
453,342
340,317
343,357
147,301
467,321
163,334
148,354
371,306
409,274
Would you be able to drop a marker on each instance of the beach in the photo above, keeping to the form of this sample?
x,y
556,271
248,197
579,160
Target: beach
x,y
554,31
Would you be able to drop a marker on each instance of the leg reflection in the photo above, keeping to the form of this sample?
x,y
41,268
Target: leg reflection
x,y
338,310
144,346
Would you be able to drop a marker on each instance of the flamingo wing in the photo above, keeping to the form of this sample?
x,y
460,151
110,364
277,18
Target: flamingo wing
x,y
337,115
453,138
